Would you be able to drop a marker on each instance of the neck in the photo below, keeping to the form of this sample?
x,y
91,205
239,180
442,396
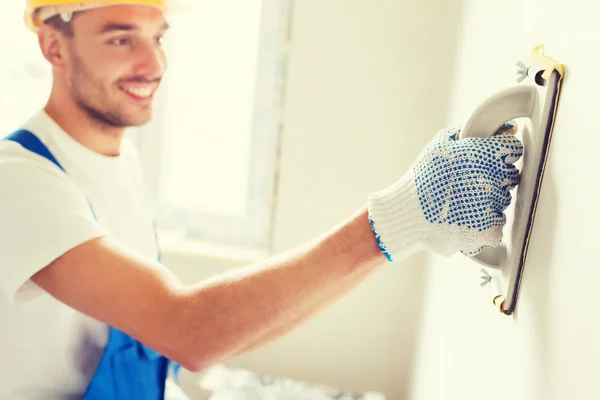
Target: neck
x,y
91,133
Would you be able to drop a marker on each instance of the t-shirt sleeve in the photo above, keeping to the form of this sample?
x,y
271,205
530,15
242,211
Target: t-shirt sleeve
x,y
43,214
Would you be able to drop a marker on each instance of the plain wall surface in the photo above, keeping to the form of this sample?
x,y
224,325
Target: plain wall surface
x,y
549,350
366,90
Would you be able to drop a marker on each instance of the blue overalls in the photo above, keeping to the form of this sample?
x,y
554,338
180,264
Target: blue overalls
x,y
128,369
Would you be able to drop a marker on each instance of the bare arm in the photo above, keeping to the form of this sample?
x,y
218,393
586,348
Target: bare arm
x,y
221,317
343,286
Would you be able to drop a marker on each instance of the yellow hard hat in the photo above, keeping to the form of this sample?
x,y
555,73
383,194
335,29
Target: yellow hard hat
x,y
40,10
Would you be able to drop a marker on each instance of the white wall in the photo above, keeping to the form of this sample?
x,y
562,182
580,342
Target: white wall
x,y
369,84
549,350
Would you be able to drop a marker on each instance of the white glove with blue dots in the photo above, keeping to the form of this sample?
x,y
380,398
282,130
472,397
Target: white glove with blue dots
x,y
453,197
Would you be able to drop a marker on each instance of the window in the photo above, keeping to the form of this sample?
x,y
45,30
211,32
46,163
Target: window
x,y
210,152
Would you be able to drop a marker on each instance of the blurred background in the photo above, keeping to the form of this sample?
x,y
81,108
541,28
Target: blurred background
x,y
277,118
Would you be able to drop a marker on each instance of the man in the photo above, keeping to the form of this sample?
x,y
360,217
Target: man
x,y
75,234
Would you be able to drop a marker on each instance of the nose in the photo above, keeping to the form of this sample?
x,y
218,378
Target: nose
x,y
151,61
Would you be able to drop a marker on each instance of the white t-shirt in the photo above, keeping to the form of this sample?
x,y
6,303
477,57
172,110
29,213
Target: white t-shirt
x,y
48,350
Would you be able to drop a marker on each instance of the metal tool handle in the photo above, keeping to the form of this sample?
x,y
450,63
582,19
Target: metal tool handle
x,y
514,102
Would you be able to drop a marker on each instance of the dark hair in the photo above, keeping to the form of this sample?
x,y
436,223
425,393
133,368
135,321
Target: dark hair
x,y
65,27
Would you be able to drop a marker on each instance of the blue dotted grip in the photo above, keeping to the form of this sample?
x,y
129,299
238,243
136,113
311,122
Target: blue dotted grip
x,y
467,182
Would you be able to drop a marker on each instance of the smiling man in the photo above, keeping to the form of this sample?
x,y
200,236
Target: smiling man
x,y
108,63
102,318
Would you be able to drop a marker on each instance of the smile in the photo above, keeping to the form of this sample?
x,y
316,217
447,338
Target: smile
x,y
139,93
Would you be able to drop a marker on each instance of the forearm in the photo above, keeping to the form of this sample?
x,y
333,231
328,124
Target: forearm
x,y
221,317
337,291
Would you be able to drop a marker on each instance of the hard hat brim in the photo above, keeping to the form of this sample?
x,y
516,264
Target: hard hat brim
x,y
33,20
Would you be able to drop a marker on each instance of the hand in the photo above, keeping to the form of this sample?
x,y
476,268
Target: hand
x,y
453,197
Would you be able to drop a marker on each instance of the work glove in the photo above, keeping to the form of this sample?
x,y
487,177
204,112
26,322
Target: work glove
x,y
453,197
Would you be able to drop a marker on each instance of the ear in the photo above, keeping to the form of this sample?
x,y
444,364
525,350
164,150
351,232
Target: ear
x,y
53,45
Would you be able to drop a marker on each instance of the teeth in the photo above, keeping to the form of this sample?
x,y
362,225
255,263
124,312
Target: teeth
x,y
139,92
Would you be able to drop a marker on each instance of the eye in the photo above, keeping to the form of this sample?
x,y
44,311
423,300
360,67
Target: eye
x,y
160,40
121,41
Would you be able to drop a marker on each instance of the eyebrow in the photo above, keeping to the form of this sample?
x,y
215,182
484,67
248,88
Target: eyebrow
x,y
111,27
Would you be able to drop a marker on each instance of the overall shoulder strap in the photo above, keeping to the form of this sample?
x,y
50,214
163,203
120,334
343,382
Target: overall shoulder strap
x,y
31,142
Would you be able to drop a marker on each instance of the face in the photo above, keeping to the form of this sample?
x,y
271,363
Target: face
x,y
115,63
